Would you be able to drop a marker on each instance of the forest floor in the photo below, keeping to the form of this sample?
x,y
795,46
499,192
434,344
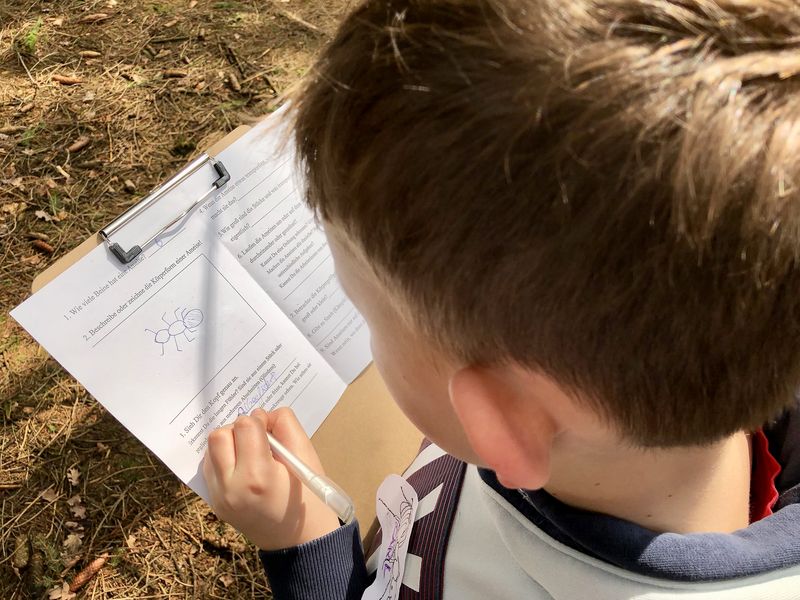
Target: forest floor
x,y
99,101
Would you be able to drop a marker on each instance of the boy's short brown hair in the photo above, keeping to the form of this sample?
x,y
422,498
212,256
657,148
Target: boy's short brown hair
x,y
606,191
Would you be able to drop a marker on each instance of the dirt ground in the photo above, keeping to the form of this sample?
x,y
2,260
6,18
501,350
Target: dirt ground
x,y
99,101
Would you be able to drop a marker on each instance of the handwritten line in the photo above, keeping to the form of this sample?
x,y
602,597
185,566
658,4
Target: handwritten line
x,y
247,404
169,241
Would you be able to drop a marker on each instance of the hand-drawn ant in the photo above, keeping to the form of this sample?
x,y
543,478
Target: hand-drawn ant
x,y
391,564
189,320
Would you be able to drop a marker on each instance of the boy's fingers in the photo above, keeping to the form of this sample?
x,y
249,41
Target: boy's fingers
x,y
208,472
252,449
283,424
222,452
262,416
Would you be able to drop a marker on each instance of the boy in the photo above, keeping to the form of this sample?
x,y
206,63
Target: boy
x,y
574,231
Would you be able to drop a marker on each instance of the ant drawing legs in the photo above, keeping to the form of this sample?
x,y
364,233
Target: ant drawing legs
x,y
159,337
186,320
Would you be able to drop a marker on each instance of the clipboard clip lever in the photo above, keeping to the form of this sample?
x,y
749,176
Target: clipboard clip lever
x,y
127,256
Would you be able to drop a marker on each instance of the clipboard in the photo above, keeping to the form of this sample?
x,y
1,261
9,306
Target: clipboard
x,y
364,438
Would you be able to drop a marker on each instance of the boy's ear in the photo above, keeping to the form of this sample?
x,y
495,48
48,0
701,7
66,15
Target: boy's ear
x,y
508,428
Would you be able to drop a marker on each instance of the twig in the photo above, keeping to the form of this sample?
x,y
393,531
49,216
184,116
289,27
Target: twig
x,y
18,516
177,38
293,17
178,567
106,514
230,54
24,66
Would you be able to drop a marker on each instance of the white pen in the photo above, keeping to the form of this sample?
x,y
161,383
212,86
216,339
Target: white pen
x,y
327,491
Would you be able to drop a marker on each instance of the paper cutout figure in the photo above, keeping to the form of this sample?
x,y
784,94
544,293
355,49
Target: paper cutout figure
x,y
396,505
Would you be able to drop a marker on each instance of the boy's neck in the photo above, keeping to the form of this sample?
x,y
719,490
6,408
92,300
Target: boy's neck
x,y
684,490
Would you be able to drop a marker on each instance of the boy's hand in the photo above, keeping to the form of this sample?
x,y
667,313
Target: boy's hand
x,y
256,493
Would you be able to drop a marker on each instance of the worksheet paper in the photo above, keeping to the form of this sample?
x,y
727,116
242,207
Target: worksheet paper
x,y
193,333
262,219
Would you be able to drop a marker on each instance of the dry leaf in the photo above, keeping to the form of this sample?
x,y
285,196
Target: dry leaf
x,y
57,21
130,541
101,446
226,579
90,54
74,478
79,510
73,525
47,217
49,495
61,593
13,208
73,542
76,499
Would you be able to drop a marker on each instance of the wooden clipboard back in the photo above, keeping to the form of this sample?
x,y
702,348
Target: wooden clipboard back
x,y
365,437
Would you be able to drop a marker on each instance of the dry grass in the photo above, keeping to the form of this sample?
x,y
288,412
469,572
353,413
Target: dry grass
x,y
157,81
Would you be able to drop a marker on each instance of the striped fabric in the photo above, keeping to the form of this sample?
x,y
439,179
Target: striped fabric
x,y
442,476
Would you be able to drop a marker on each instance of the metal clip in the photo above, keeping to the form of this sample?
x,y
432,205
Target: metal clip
x,y
126,256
